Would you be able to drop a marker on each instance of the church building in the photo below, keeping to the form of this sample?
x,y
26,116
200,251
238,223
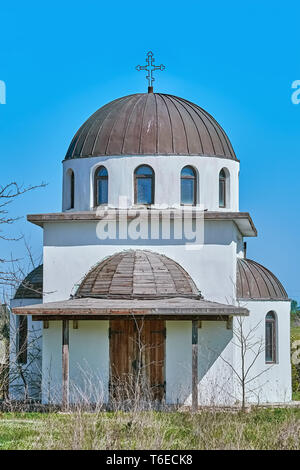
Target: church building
x,y
145,283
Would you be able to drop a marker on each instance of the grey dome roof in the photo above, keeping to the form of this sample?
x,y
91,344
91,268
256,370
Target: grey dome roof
x,y
32,286
150,124
254,281
134,274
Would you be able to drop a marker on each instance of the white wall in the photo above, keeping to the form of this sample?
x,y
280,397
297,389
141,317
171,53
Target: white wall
x,y
167,180
218,384
32,370
274,381
71,249
215,384
89,362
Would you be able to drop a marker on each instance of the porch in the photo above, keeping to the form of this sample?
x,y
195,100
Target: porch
x,y
126,316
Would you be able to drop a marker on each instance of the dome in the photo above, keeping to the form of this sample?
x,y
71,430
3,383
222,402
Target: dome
x,y
150,124
135,274
32,286
254,281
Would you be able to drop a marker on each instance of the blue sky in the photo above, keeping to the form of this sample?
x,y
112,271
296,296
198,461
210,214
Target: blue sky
x,y
63,60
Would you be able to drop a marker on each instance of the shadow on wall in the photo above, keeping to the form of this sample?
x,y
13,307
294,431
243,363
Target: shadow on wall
x,y
215,380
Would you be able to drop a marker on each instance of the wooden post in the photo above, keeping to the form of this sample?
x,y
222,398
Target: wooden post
x,y
194,365
65,364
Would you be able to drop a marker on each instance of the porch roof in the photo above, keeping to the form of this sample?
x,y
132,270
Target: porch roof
x,y
89,308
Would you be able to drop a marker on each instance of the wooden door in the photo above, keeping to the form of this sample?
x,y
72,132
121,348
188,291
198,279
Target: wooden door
x,y
137,359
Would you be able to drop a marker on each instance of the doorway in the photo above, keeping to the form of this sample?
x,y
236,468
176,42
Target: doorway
x,y
137,360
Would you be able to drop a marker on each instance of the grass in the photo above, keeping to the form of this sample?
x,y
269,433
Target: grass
x,y
277,428
259,429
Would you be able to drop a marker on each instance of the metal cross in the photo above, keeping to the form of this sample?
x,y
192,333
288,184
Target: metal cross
x,y
150,67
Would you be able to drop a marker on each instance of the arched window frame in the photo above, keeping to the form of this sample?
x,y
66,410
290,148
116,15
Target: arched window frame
x,y
98,178
72,189
195,180
271,351
224,188
137,177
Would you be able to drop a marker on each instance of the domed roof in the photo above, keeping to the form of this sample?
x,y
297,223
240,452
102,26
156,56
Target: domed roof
x,y
135,274
32,286
254,281
150,124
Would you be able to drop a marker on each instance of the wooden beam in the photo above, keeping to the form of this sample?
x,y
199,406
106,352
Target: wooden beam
x,y
46,324
65,364
194,365
130,316
229,323
75,324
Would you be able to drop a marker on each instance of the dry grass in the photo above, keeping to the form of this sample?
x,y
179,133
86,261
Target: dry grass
x,y
259,429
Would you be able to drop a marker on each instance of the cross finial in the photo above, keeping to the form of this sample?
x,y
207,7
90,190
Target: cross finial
x,y
150,67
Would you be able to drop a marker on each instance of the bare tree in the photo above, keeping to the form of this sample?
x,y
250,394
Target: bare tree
x,y
11,275
250,348
4,351
25,374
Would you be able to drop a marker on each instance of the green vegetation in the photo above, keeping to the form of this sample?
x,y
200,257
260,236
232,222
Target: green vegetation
x,y
258,429
295,336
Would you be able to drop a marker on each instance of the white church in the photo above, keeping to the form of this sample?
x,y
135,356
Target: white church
x,y
145,278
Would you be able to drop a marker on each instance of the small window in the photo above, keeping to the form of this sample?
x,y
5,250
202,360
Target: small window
x,y
72,189
144,185
188,182
22,331
222,188
101,186
271,335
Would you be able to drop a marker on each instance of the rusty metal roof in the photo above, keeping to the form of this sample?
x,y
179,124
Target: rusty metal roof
x,y
150,124
138,274
32,286
256,282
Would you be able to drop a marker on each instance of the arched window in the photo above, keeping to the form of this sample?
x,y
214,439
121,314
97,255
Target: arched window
x,y
22,331
72,189
101,186
271,338
188,182
144,185
222,188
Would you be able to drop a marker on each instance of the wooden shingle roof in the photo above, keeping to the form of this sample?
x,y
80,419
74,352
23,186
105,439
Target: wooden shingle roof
x,y
138,274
